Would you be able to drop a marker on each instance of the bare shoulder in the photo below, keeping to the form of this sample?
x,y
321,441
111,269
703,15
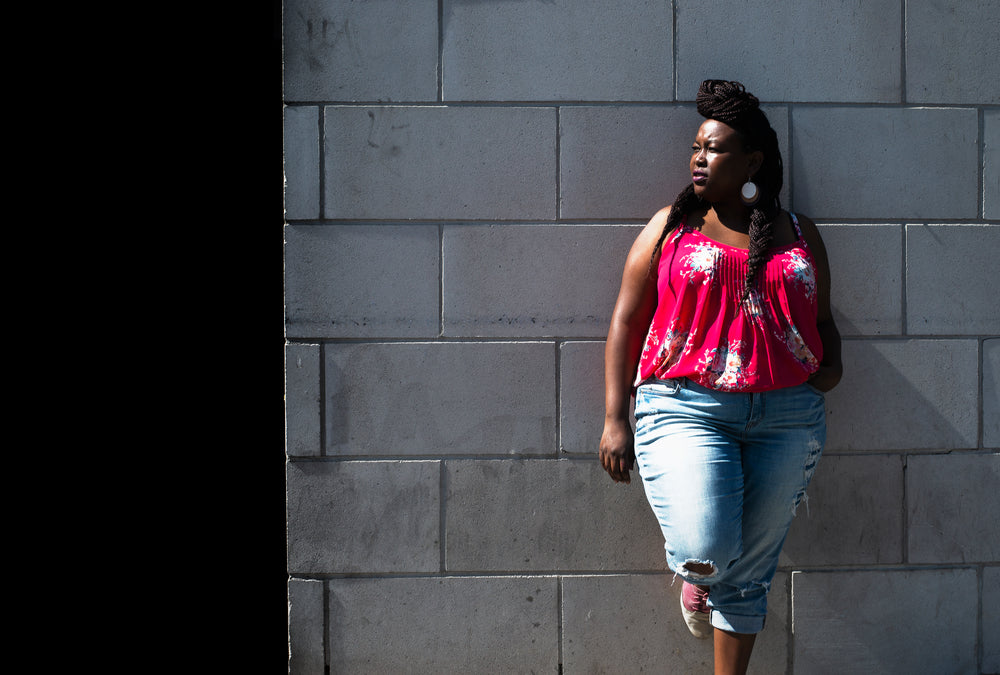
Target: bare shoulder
x,y
645,244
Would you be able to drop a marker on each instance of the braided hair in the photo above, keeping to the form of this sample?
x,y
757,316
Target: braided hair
x,y
732,104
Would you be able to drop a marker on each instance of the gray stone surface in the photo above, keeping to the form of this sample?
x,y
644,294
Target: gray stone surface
x,y
363,517
444,625
628,624
440,163
952,508
896,622
360,50
905,394
540,515
852,516
991,164
362,281
859,162
991,393
952,52
950,274
440,398
807,50
866,264
530,280
303,400
629,162
581,396
596,50
633,624
305,633
991,620
300,150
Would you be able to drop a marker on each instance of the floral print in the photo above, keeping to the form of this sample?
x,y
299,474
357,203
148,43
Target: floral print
x,y
724,367
702,331
801,272
700,263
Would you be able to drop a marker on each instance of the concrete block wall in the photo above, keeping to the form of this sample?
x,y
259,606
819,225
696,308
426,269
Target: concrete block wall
x,y
462,181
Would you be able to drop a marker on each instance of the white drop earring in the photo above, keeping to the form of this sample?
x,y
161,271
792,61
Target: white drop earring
x,y
749,193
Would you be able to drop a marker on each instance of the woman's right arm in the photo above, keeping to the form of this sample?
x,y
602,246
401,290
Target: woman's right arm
x,y
629,323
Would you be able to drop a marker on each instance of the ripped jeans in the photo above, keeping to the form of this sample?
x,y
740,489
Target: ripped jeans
x,y
724,473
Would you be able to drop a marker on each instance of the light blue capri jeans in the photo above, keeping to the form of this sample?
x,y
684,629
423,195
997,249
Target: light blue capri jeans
x,y
724,474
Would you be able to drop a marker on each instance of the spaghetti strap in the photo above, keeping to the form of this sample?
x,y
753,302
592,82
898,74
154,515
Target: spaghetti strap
x,y
795,224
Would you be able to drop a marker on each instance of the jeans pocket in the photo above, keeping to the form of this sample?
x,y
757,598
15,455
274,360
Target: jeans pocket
x,y
648,392
664,387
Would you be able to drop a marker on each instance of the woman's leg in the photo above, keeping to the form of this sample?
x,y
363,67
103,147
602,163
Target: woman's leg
x,y
691,469
732,652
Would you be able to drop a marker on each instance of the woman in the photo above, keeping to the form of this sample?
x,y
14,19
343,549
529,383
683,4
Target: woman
x,y
723,328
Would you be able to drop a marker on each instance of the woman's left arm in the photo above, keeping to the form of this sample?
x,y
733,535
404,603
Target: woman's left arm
x,y
830,368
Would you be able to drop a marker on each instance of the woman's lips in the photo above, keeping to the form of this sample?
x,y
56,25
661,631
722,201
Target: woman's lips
x,y
699,178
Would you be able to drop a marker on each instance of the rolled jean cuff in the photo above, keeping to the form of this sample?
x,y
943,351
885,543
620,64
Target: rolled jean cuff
x,y
737,623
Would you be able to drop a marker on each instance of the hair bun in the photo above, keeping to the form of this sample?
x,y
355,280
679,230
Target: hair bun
x,y
726,101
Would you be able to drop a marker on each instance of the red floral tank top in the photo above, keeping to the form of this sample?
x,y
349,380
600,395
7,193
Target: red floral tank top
x,y
701,331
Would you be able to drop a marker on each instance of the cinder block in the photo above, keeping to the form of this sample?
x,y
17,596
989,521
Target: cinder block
x,y
557,51
363,517
629,162
852,516
640,616
361,281
839,50
360,50
991,393
892,622
532,281
905,394
874,162
301,162
964,303
991,160
581,396
952,508
303,400
444,625
866,263
305,627
628,624
952,52
440,163
991,619
440,398
547,515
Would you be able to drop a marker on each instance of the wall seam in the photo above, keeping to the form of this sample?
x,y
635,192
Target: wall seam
x,y
559,622
902,51
327,657
322,162
981,150
558,163
442,515
673,47
322,398
440,54
902,281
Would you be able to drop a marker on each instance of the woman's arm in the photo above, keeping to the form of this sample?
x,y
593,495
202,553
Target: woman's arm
x,y
830,368
629,324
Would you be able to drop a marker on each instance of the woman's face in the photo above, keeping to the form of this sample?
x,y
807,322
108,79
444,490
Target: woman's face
x,y
720,162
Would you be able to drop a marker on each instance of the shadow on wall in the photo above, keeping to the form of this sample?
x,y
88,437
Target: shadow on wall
x,y
879,506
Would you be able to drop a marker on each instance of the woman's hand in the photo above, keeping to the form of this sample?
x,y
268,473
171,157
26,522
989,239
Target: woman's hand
x,y
617,450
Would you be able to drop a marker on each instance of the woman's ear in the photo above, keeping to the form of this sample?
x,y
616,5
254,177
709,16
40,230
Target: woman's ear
x,y
756,161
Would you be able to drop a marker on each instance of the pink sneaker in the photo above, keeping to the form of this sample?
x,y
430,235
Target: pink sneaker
x,y
694,607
